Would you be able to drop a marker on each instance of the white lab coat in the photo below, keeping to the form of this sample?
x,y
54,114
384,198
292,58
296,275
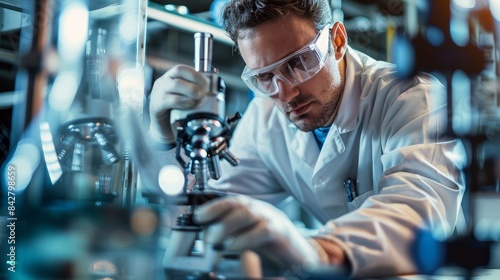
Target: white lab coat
x,y
388,136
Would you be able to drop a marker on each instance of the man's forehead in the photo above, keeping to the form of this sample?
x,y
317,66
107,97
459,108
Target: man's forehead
x,y
274,40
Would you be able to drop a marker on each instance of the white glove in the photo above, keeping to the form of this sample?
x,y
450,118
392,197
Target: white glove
x,y
181,88
241,222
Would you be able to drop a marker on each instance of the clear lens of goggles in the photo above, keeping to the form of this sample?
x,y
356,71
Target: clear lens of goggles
x,y
296,68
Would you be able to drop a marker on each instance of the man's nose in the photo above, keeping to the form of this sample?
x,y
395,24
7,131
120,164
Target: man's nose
x,y
286,91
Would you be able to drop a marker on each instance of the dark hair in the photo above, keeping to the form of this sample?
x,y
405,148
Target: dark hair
x,y
243,14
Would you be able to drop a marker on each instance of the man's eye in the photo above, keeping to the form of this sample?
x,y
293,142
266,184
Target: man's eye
x,y
297,62
265,77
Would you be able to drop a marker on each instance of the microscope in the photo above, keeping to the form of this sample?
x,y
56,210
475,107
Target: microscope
x,y
201,135
88,147
202,129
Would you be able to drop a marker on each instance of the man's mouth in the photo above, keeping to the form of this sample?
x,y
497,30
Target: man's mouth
x,y
299,110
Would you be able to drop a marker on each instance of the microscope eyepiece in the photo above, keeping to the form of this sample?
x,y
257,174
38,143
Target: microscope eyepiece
x,y
203,52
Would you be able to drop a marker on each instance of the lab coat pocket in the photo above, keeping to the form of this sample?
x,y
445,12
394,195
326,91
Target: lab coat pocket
x,y
353,205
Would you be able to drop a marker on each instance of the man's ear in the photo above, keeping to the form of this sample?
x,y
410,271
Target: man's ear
x,y
339,40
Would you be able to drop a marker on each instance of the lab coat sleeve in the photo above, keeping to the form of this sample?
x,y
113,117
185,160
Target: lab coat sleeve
x,y
421,187
251,176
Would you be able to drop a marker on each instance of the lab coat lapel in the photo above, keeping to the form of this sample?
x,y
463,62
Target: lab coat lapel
x,y
305,147
332,147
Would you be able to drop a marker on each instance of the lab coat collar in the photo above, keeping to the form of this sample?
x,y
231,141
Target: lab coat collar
x,y
347,116
333,146
304,145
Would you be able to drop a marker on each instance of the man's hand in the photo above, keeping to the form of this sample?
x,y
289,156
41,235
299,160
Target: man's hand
x,y
180,88
241,223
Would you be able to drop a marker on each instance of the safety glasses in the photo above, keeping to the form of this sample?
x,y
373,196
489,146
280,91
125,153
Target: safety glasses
x,y
294,69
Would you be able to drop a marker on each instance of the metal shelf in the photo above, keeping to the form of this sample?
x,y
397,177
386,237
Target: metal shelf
x,y
14,5
187,22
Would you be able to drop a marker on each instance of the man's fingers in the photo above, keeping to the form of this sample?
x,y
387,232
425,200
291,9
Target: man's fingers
x,y
187,73
252,238
231,224
214,210
179,88
184,80
186,88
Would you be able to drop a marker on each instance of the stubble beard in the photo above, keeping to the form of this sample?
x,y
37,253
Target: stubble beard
x,y
311,121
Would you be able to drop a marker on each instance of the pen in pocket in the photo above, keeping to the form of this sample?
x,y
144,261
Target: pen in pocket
x,y
350,189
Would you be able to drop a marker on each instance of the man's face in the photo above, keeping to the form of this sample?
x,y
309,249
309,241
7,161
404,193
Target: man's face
x,y
310,104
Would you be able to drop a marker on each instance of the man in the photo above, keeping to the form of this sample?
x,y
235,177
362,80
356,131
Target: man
x,y
363,151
